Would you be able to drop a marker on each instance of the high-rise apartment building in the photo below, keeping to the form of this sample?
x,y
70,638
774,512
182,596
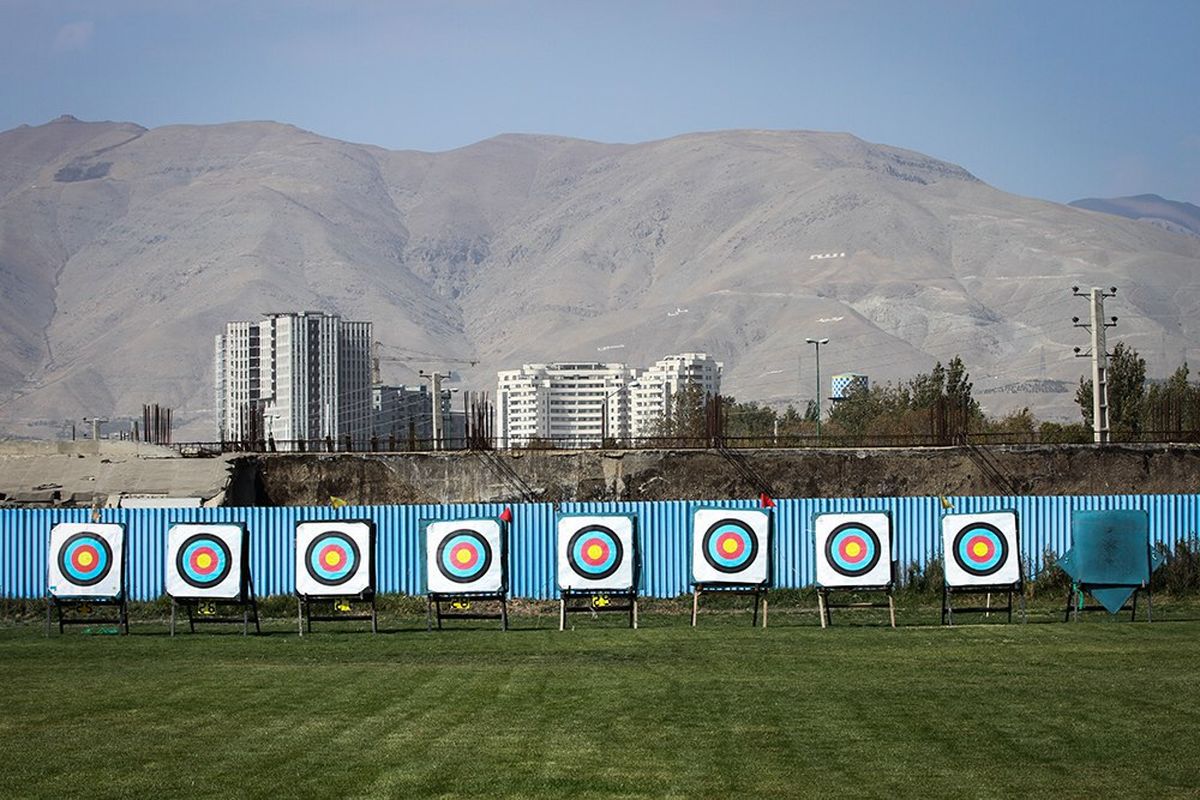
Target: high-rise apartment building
x,y
405,414
585,403
652,394
570,402
294,377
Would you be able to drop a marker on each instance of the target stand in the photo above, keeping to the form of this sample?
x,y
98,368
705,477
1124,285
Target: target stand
x,y
78,611
854,555
981,554
1077,592
590,601
461,607
323,608
987,609
205,611
757,591
335,572
825,604
208,575
86,569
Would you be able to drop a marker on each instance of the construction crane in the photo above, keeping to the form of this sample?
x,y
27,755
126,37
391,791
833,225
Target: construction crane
x,y
409,357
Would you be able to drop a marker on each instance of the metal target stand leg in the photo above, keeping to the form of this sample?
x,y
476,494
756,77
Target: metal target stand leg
x,y
172,616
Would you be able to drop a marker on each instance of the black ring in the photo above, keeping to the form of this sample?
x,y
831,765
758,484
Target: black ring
x,y
618,548
62,554
751,537
1003,548
869,533
220,545
484,548
331,581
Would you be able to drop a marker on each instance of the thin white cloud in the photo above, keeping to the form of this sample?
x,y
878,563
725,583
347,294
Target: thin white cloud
x,y
73,36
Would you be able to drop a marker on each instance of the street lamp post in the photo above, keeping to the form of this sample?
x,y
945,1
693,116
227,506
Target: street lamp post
x,y
816,343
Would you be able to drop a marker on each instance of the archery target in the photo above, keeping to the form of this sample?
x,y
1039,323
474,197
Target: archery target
x,y
730,546
335,558
981,549
597,552
464,556
853,550
206,561
86,560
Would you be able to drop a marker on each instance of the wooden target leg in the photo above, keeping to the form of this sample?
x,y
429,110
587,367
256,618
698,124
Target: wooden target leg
x,y
503,614
695,603
821,609
892,608
374,616
428,613
987,603
562,613
634,613
300,615
764,601
125,615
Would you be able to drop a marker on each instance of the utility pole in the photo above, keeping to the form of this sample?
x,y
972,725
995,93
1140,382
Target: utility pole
x,y
816,343
435,380
1099,354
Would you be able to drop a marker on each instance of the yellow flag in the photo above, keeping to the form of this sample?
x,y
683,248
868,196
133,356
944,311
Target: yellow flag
x,y
337,502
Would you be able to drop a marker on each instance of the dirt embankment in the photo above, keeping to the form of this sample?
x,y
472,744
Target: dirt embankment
x,y
556,476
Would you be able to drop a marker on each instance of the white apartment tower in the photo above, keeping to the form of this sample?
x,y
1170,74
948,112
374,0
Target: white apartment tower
x,y
294,377
651,395
579,403
584,403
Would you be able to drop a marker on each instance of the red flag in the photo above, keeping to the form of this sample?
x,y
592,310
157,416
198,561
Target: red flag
x,y
506,515
765,500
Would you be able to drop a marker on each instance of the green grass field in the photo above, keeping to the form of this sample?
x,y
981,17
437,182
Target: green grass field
x,y
1097,709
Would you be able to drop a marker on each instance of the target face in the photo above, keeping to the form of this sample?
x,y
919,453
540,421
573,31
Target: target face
x,y
206,561
597,552
86,560
853,550
335,558
730,546
981,549
464,556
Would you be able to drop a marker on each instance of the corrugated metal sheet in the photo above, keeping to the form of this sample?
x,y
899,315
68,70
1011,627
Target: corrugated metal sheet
x,y
663,531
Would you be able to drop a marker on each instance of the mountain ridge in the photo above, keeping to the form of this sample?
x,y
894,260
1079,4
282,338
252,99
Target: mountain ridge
x,y
534,248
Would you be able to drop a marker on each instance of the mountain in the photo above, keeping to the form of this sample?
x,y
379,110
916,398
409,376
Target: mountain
x,y
1170,215
123,251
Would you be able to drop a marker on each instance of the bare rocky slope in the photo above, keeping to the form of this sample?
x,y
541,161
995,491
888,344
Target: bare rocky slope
x,y
124,250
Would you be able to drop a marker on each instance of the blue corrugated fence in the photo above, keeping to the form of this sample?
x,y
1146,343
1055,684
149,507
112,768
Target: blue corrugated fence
x,y
663,530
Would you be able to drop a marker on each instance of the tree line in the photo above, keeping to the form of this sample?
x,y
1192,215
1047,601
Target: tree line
x,y
938,407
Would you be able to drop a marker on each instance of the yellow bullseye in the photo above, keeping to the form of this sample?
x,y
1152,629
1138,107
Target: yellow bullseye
x,y
85,559
730,546
463,556
853,549
594,552
332,558
980,549
204,561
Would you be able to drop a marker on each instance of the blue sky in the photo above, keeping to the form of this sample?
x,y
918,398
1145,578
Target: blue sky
x,y
1058,100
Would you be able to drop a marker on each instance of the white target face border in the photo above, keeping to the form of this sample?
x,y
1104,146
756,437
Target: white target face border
x,y
624,529
1005,522
111,588
490,581
361,532
232,534
880,575
757,571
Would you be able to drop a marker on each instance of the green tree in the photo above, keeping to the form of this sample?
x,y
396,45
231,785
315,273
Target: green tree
x,y
1126,393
